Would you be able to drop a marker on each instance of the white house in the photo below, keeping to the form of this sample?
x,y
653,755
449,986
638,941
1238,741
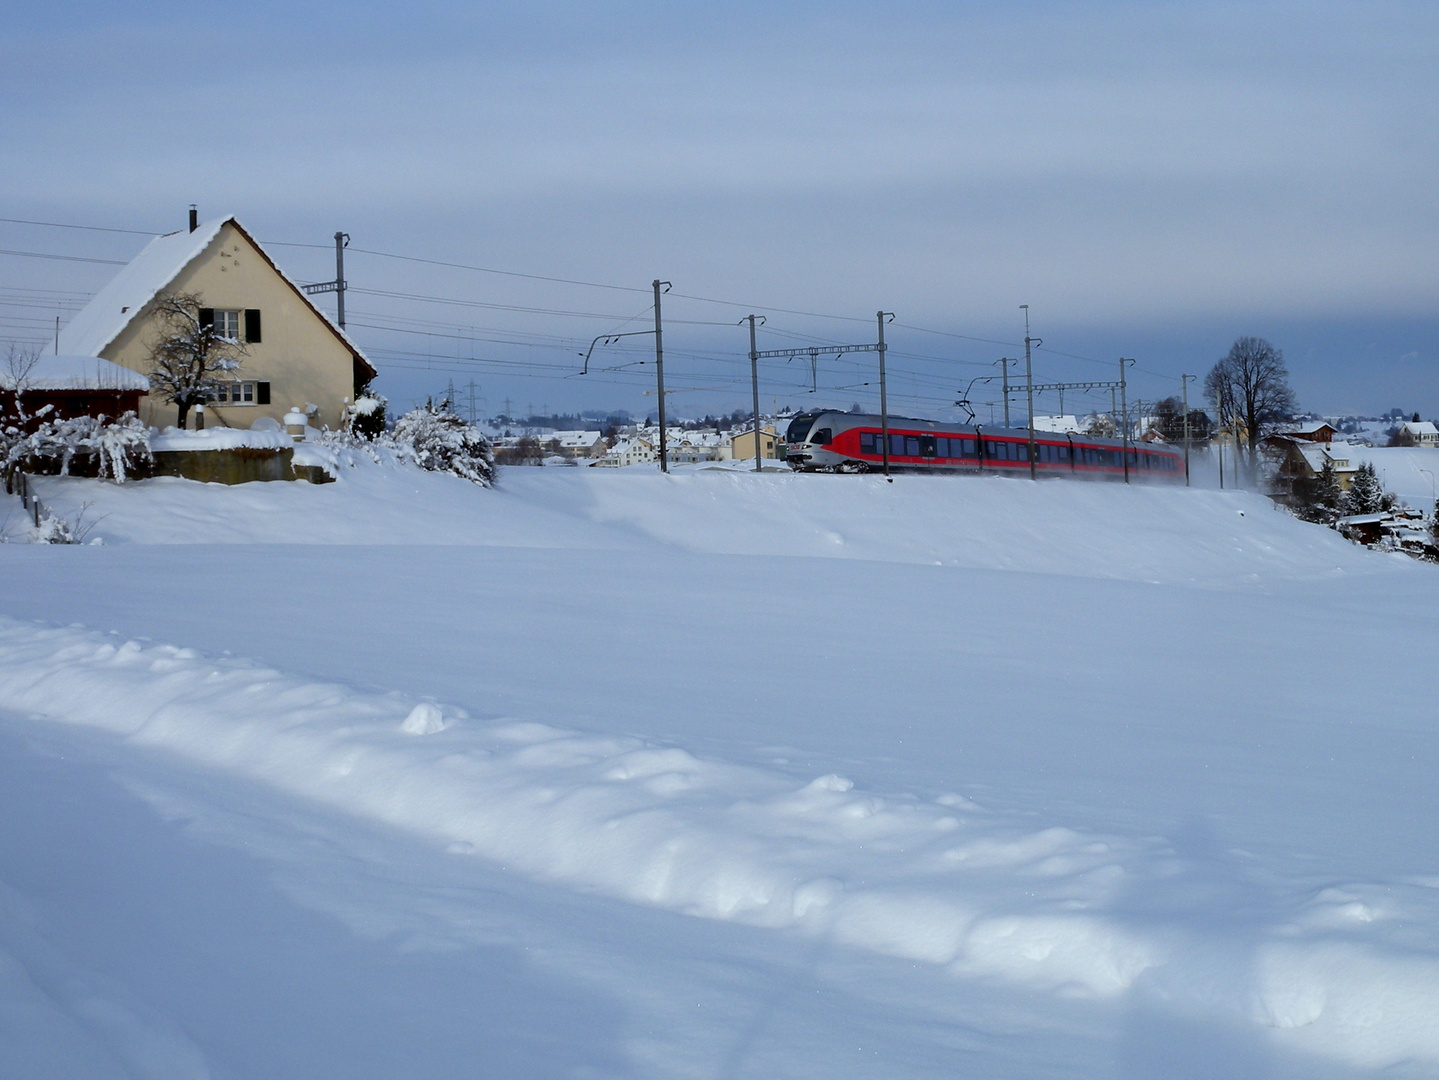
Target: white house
x,y
1418,433
635,451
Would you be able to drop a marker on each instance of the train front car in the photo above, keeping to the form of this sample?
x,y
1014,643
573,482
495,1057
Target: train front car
x,y
815,442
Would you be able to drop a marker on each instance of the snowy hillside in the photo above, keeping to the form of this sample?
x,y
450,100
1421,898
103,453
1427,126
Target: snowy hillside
x,y
604,773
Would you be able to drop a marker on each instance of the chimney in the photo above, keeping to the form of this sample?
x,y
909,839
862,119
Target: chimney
x,y
194,218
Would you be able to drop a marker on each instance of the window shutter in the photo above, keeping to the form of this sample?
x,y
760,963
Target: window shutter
x,y
207,317
252,325
262,393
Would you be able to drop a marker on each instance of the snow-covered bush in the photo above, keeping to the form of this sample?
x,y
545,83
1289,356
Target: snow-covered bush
x,y
366,417
443,442
85,445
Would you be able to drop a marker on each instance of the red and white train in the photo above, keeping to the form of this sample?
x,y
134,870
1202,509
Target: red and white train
x,y
851,442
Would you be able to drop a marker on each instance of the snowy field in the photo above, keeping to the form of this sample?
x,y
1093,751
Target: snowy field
x,y
610,774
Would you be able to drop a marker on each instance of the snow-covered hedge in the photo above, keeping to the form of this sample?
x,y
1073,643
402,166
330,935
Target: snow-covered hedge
x,y
443,442
85,444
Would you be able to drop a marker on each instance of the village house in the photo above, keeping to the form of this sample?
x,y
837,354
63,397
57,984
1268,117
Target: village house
x,y
635,451
740,445
292,355
1303,459
1320,431
1417,433
693,447
576,444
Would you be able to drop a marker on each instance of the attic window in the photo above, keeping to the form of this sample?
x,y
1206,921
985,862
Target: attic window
x,y
227,324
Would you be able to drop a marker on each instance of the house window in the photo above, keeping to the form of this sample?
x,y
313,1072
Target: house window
x,y
227,324
236,392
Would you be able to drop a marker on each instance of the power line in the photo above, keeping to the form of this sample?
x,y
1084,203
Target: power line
x,y
553,280
87,228
63,258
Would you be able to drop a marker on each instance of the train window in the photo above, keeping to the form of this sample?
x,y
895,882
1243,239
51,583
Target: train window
x,y
868,442
821,437
896,446
927,447
969,447
1061,453
799,427
941,448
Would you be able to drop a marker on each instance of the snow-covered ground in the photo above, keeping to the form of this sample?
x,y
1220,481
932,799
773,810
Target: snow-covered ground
x,y
1408,471
604,773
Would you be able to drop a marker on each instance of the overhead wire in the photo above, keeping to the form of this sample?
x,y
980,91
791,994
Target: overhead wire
x,y
552,279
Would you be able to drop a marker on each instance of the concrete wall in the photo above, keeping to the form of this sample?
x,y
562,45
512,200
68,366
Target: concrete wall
x,y
298,354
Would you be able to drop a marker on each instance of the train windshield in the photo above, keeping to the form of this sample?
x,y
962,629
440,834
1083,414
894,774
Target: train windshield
x,y
799,427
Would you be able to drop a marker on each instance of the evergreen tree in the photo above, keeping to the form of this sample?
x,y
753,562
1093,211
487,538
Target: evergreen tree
x,y
1317,498
1365,494
1328,493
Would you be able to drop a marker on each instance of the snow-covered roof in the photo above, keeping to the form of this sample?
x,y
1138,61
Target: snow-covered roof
x,y
576,438
147,274
1310,427
1316,454
1058,424
74,373
1420,427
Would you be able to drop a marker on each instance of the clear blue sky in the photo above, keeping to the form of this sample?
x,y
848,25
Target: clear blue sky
x,y
1153,179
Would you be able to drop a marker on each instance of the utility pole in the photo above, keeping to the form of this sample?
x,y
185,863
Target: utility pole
x,y
472,400
342,240
1029,390
1124,408
1219,431
754,385
1004,362
883,392
1184,382
660,377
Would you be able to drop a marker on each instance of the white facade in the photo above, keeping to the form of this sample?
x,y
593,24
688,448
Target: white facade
x,y
634,451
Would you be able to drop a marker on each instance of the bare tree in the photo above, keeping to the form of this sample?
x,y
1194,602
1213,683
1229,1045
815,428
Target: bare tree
x,y
1169,421
15,374
189,355
1250,391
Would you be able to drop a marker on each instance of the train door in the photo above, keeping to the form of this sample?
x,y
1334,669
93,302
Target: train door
x,y
927,447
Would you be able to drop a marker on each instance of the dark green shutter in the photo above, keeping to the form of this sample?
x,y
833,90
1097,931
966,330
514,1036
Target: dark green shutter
x,y
262,393
207,316
252,325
